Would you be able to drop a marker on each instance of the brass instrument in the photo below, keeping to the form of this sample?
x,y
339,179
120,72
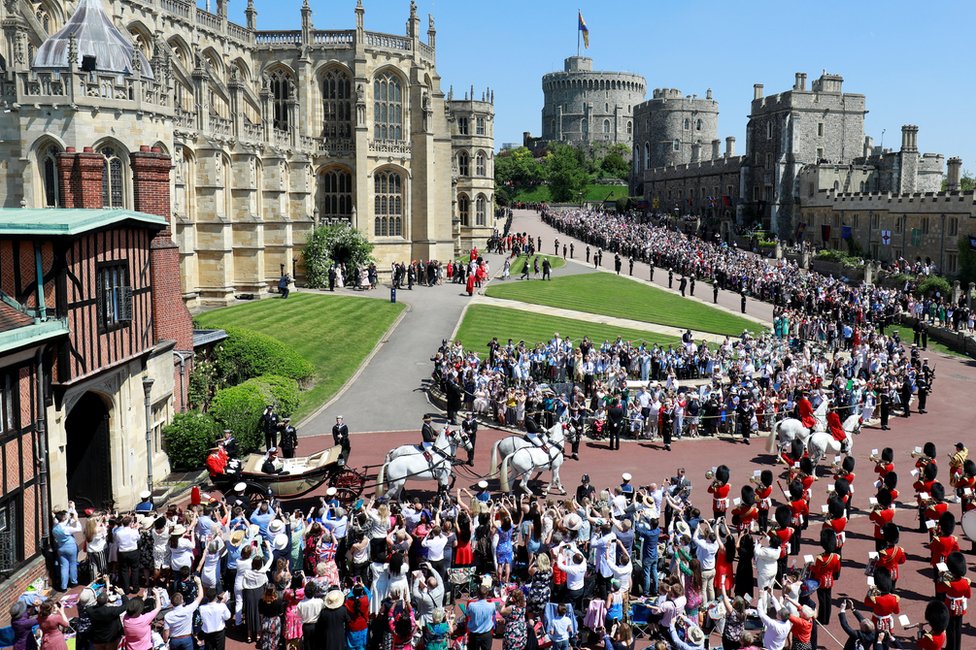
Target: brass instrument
x,y
709,475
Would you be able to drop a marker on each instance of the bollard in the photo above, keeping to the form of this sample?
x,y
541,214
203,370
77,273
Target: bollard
x,y
393,295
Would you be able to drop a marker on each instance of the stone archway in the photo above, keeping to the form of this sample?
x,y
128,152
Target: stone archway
x,y
87,453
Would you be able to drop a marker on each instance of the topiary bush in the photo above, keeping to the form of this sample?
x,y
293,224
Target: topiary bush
x,y
246,354
188,438
239,409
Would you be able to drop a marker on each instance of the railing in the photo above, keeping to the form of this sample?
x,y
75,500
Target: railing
x,y
389,146
220,125
107,87
426,52
45,85
253,131
240,33
281,138
177,7
388,41
155,93
208,19
333,38
289,37
338,147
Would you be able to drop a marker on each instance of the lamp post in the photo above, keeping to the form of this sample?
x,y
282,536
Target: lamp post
x,y
147,384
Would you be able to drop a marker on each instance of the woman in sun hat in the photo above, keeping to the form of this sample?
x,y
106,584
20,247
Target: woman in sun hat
x,y
181,545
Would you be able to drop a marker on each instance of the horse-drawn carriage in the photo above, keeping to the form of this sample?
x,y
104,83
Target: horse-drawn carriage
x,y
299,476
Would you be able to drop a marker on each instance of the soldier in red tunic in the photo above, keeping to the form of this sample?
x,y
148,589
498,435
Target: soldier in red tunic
x,y
883,604
764,496
745,513
825,570
937,618
836,522
719,489
881,514
956,590
892,555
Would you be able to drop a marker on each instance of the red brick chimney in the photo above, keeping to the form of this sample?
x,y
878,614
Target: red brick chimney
x,y
81,178
150,192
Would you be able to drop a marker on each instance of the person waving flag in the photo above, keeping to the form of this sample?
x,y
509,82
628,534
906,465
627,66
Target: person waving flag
x,y
584,30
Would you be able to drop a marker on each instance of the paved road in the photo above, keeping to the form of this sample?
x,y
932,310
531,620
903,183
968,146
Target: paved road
x,y
388,393
530,222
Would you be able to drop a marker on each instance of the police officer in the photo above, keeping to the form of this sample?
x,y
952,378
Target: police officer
x,y
922,384
469,426
615,418
670,278
682,285
714,293
340,435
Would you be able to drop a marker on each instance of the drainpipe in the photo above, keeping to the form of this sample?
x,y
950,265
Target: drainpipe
x,y
41,451
41,307
182,357
147,384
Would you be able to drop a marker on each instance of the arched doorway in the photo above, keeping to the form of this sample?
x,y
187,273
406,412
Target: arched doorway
x,y
87,452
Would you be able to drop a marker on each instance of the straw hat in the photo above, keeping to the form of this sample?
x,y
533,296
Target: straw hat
x,y
682,528
178,530
280,542
695,635
236,537
573,521
334,599
276,526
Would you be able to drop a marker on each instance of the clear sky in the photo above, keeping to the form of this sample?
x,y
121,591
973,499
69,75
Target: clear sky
x,y
909,58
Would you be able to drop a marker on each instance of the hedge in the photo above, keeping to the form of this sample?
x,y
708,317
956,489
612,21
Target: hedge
x,y
188,438
246,354
239,408
933,283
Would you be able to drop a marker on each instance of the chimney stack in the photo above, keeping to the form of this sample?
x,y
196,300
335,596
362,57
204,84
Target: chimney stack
x,y
729,146
757,91
716,149
708,94
909,138
955,168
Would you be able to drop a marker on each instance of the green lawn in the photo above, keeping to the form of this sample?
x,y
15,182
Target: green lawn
x,y
604,293
482,322
594,192
907,336
335,333
519,262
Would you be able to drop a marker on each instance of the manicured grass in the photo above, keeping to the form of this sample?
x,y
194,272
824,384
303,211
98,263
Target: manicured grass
x,y
335,333
604,293
594,192
907,336
519,262
482,322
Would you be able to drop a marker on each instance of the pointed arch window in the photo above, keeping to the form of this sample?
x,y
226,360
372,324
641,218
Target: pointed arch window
x,y
387,107
113,183
479,164
50,182
337,105
388,204
464,164
282,90
337,194
464,209
480,210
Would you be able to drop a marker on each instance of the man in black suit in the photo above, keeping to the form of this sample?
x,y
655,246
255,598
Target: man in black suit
x,y
615,418
269,425
469,426
453,392
332,277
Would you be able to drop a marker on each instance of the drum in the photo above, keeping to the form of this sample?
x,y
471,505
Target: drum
x,y
969,525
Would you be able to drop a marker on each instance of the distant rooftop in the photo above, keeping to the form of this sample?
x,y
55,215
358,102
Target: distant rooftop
x,y
67,221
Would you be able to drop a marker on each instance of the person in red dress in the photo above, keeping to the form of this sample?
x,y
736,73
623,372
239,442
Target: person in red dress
x,y
719,489
892,555
937,618
956,589
825,570
764,496
836,522
883,604
881,514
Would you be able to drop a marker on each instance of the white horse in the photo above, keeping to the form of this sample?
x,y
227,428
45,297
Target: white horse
x,y
556,435
525,460
822,442
455,436
415,466
789,429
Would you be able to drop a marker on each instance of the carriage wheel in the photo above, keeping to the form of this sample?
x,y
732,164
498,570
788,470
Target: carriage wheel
x,y
349,481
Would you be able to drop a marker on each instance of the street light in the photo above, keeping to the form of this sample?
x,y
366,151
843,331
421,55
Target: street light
x,y
147,384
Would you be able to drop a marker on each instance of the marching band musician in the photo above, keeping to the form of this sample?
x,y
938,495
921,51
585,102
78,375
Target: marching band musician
x,y
957,459
892,555
719,489
937,618
825,570
837,522
926,456
764,496
944,543
956,589
965,486
799,512
884,463
782,515
745,514
923,491
937,505
881,514
883,604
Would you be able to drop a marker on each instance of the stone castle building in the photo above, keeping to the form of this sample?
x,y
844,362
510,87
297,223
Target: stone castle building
x,y
270,132
798,142
584,107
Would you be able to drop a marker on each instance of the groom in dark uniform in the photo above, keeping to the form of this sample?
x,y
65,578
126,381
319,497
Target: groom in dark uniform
x,y
340,434
429,436
469,426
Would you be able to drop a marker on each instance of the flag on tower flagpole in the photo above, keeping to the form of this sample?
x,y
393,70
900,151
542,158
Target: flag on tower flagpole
x,y
584,30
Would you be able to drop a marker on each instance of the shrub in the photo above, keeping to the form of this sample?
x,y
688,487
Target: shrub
x,y
203,384
334,244
239,409
934,283
188,438
246,354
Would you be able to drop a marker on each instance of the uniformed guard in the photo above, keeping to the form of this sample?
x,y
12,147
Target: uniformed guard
x,y
469,426
428,435
340,434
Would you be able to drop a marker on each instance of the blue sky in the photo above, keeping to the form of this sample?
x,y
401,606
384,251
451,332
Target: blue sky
x,y
912,60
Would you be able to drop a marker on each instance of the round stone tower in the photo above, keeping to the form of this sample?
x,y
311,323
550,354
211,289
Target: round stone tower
x,y
675,129
587,107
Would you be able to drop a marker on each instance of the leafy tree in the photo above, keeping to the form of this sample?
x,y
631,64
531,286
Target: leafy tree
x,y
615,166
339,244
516,170
566,172
967,182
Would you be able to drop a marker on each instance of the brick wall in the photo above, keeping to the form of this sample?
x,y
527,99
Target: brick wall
x,y
15,586
81,178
